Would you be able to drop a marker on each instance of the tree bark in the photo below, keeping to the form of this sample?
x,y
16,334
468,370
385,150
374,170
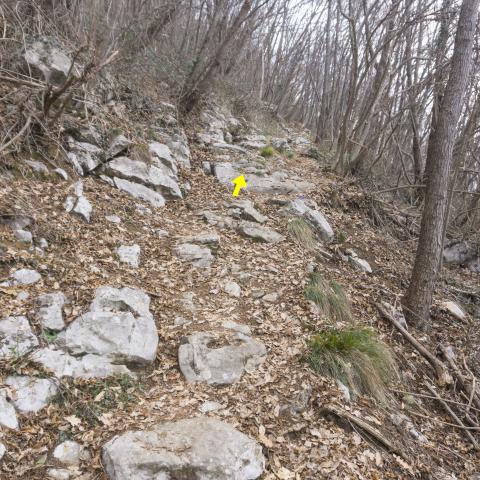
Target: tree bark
x,y
418,298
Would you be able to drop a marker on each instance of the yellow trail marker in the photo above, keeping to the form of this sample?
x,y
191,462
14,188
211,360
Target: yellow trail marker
x,y
239,183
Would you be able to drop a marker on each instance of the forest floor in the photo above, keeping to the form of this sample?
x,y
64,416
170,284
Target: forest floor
x,y
280,403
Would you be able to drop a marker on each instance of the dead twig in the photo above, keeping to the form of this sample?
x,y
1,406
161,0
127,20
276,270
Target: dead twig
x,y
441,371
454,416
363,425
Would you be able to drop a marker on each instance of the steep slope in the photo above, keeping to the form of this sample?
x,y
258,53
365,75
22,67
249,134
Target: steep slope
x,y
206,273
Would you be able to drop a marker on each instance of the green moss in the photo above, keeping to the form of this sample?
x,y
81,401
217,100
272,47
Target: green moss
x,y
356,357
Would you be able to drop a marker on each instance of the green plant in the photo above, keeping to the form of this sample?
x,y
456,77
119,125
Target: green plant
x,y
267,151
49,335
302,233
341,237
356,357
329,296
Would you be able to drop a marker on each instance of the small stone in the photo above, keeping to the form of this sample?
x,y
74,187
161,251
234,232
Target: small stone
x,y
162,233
113,218
59,473
22,296
207,168
2,450
42,243
345,391
209,406
129,254
233,289
68,453
455,310
37,167
8,417
259,232
270,297
24,236
118,145
180,321
25,276
237,327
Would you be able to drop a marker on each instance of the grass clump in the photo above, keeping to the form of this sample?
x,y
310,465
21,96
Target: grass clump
x,y
267,151
329,297
356,357
301,232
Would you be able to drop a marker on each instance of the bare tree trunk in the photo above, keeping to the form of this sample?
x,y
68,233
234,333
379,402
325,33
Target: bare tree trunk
x,y
418,298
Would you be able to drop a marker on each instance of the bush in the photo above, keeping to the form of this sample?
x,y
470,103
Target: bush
x,y
356,357
329,297
302,233
267,151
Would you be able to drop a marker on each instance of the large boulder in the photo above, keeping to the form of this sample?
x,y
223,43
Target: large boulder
x,y
202,359
148,175
45,58
198,249
118,326
84,156
198,448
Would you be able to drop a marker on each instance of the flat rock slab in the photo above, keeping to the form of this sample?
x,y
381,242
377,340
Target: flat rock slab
x,y
118,326
245,210
16,337
198,448
62,364
25,276
31,394
259,232
140,191
219,358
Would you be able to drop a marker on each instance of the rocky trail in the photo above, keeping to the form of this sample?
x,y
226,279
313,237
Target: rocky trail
x,y
153,326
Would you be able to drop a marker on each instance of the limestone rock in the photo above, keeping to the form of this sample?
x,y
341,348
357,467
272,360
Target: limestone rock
x,y
118,326
245,210
37,167
118,145
219,365
83,156
181,151
458,252
61,364
308,211
207,168
280,144
61,173
232,288
198,448
25,276
78,203
455,310
237,327
358,262
161,154
31,394
195,254
24,236
113,218
2,450
45,57
129,254
259,232
50,312
68,453
140,191
150,176
8,416
59,473
16,337
209,406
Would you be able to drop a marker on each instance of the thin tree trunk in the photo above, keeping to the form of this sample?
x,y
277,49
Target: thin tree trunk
x,y
418,298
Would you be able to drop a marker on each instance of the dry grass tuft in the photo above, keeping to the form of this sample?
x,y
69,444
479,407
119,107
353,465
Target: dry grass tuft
x,y
302,234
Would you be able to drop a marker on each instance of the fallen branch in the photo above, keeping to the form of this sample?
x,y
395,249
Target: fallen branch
x,y
18,135
366,427
454,416
441,371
